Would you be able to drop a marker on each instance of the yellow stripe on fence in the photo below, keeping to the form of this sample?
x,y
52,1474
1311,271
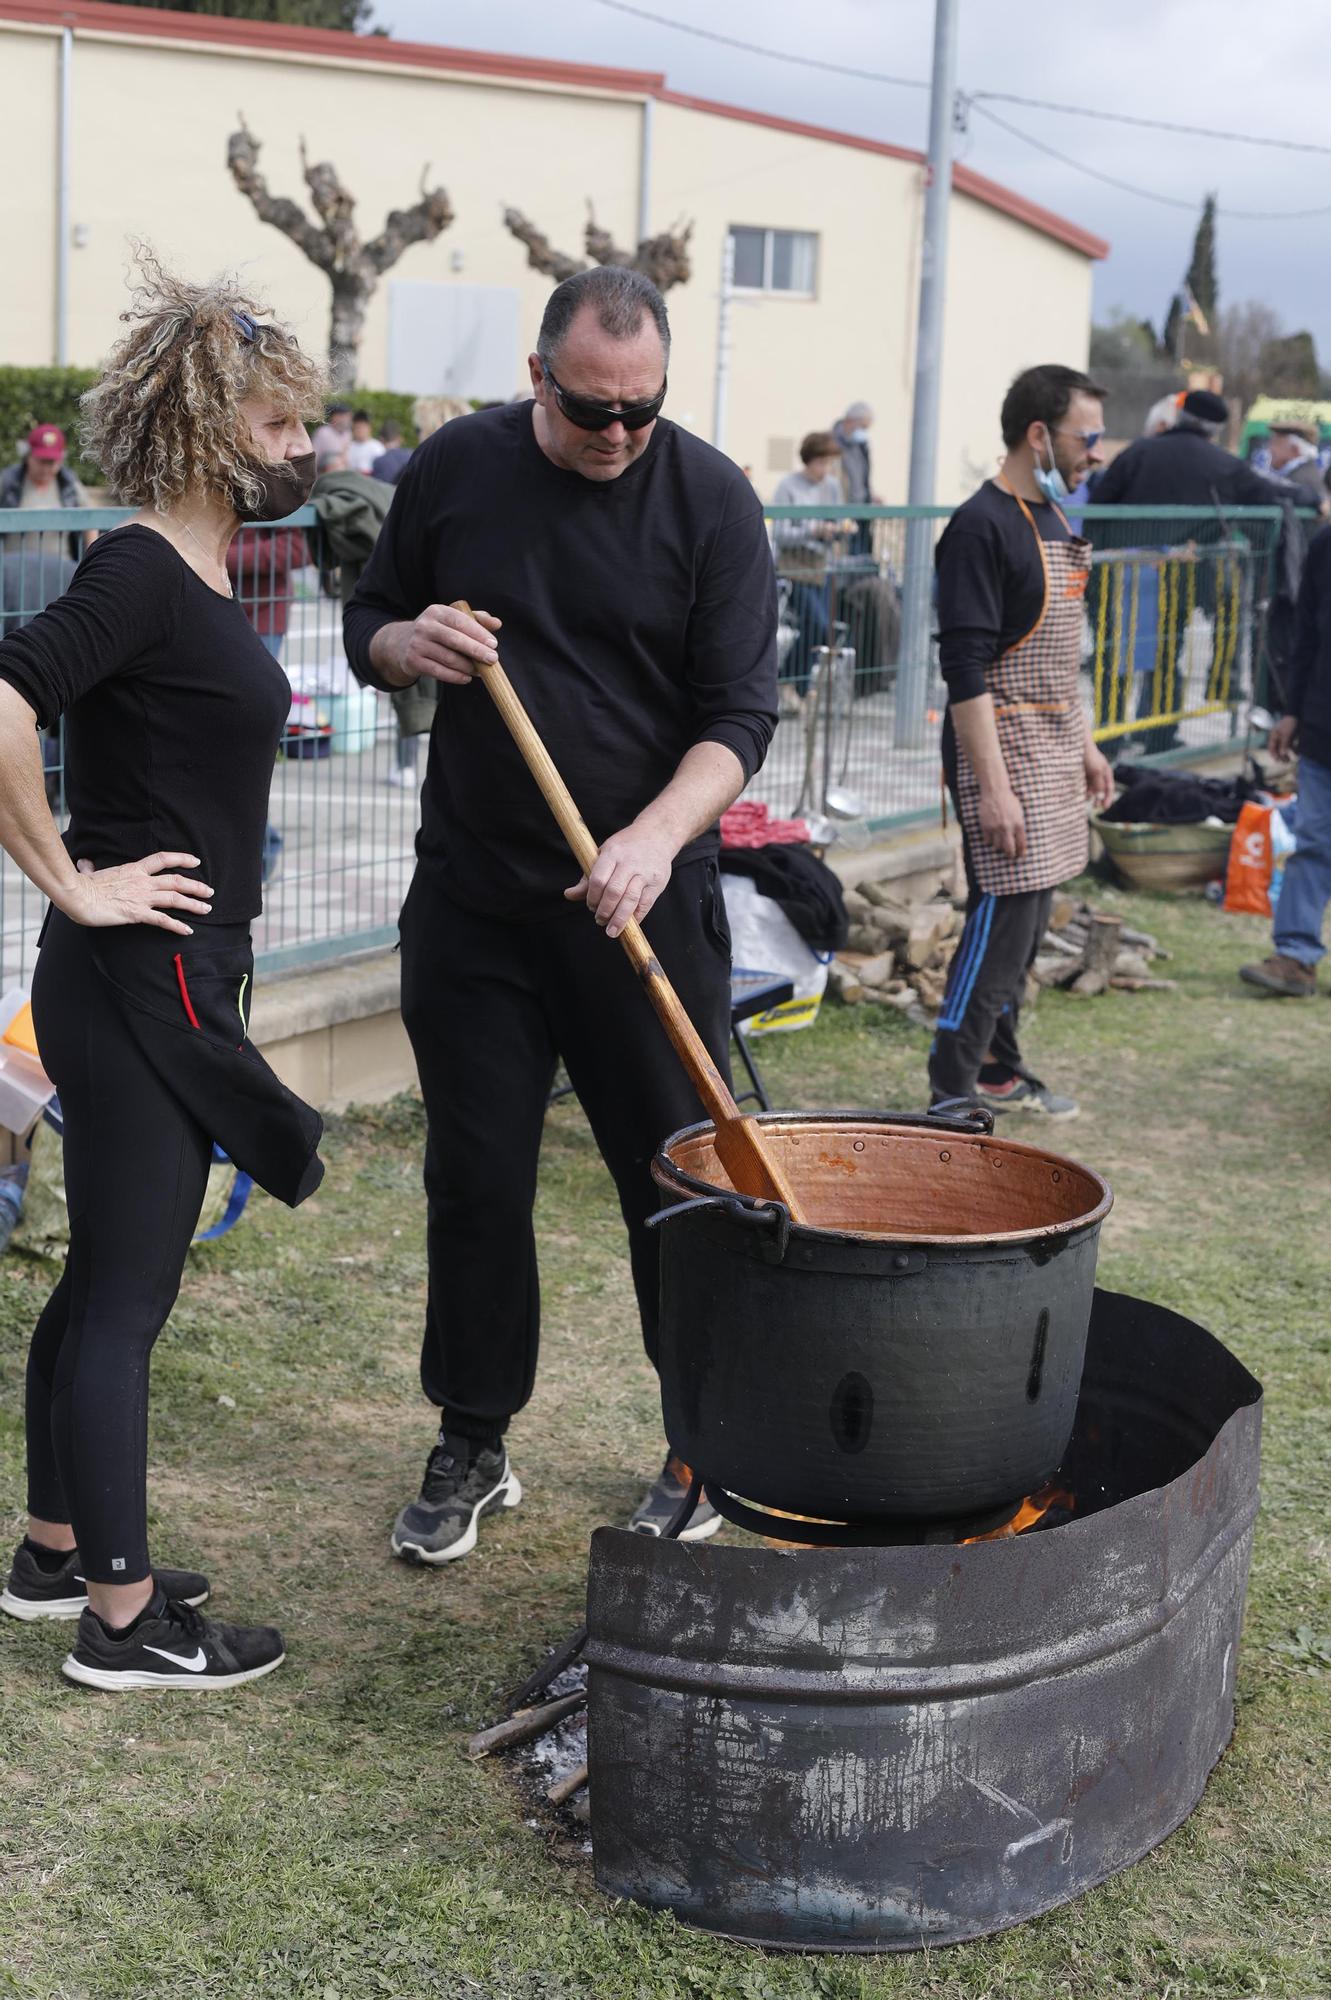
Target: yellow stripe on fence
x,y
1147,638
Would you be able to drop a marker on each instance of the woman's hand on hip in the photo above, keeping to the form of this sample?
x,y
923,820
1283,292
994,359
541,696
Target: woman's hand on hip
x,y
139,892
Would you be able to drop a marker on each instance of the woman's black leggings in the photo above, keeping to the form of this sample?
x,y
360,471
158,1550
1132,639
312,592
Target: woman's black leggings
x,y
136,1167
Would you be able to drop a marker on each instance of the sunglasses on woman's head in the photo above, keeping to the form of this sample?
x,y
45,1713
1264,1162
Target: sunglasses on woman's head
x,y
589,416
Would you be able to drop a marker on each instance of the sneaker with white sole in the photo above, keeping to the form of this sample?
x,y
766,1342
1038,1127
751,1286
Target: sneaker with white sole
x,y
663,1500
44,1590
462,1482
1027,1093
171,1646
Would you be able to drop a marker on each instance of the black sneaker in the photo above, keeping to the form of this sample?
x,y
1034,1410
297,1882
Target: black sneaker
x,y
663,1500
1027,1093
172,1646
461,1483
36,1592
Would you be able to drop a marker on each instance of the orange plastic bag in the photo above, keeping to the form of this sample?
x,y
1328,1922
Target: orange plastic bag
x,y
1251,862
20,1034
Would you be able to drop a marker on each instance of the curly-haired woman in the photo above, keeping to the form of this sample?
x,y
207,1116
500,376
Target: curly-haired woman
x,y
173,710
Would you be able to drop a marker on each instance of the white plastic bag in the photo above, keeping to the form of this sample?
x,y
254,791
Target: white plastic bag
x,y
763,939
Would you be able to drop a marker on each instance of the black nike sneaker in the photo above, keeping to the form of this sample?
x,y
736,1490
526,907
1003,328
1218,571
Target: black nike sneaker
x,y
171,1646
40,1590
461,1483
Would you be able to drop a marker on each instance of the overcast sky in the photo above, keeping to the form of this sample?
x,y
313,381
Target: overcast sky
x,y
1262,69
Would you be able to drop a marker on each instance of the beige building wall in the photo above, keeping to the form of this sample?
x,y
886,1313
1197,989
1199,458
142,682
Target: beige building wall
x,y
1014,298
28,199
795,363
167,181
148,159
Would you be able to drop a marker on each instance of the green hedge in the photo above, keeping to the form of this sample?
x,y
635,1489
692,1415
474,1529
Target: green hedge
x,y
382,403
31,396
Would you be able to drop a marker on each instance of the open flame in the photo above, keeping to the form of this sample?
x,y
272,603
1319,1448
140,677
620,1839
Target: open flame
x,y
1032,1509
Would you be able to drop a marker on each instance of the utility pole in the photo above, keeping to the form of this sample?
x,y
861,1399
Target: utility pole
x,y
913,674
722,384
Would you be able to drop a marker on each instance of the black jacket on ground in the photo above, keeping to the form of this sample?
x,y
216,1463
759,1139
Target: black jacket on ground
x,y
798,883
1308,679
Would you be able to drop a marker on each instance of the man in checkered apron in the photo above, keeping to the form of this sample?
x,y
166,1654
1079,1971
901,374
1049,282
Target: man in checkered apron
x,y
1017,750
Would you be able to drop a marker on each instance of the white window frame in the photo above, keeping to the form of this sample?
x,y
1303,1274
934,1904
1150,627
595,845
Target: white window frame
x,y
767,290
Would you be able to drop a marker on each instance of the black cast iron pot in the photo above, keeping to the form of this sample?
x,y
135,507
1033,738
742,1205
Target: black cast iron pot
x,y
913,1352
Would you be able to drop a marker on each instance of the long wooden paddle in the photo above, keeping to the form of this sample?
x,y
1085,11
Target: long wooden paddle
x,y
739,1140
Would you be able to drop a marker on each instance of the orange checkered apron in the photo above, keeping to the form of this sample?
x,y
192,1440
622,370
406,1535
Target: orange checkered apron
x,y
1041,733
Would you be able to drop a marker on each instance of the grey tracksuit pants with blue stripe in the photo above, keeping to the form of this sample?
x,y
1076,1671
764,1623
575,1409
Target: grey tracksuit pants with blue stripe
x,y
986,981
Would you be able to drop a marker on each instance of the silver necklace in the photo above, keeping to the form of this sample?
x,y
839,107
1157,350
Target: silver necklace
x,y
210,558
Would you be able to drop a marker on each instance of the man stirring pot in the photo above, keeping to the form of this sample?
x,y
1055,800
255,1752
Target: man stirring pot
x,y
628,568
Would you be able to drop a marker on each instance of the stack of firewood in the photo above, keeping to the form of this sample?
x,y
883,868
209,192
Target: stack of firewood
x,y
1088,951
898,953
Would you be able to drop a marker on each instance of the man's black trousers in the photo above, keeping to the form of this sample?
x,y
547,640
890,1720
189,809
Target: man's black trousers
x,y
489,1006
986,980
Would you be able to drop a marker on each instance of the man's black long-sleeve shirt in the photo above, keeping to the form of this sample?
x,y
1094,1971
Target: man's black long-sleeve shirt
x,y
639,619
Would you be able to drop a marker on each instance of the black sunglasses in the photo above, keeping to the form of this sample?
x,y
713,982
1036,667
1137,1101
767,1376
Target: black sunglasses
x,y
589,416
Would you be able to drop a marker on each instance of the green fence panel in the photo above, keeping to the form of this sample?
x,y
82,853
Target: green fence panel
x,y
1173,654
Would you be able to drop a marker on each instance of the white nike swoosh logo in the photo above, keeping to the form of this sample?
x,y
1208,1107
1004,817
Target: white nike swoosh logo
x,y
193,1666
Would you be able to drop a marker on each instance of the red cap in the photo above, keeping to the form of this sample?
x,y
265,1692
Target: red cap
x,y
47,441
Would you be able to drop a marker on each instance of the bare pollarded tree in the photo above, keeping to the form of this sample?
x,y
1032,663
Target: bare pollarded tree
x,y
664,259
353,268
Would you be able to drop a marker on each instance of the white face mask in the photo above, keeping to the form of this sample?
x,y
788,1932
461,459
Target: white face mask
x,y
859,435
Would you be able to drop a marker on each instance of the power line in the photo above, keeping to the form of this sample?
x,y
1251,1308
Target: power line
x,y
757,49
1151,124
980,97
1191,204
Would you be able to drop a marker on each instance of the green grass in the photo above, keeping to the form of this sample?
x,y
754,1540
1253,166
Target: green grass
x,y
322,1835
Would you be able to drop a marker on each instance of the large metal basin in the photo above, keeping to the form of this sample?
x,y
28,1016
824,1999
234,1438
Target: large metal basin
x,y
878,1749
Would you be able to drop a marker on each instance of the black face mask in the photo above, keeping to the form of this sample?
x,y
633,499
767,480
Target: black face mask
x,y
282,488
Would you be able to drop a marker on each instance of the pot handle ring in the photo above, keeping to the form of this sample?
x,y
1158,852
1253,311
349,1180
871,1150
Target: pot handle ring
x,y
755,1217
953,1114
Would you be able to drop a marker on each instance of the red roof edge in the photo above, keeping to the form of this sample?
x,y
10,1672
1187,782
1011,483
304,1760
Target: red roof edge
x,y
747,117
98,16
964,180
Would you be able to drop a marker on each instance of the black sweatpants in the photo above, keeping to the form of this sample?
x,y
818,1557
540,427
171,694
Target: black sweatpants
x,y
985,984
136,1167
489,1006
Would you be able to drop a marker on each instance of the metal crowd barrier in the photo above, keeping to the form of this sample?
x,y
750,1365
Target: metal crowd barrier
x,y
344,807
1172,659
1172,653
